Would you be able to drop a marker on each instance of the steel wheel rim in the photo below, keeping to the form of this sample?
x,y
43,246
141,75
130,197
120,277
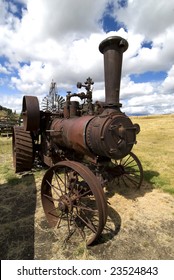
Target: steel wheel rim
x,y
22,149
78,205
131,171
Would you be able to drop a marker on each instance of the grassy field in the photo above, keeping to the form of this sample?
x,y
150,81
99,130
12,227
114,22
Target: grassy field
x,y
24,233
155,150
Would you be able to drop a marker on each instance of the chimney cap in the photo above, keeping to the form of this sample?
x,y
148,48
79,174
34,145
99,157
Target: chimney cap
x,y
114,42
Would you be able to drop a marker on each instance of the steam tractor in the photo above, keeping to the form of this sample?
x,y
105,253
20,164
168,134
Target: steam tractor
x,y
85,146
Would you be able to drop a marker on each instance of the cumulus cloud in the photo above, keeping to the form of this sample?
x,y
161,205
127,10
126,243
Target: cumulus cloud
x,y
168,83
54,39
130,89
3,70
147,17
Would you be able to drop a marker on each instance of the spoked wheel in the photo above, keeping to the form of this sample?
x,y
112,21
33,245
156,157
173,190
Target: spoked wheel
x,y
74,201
129,171
23,149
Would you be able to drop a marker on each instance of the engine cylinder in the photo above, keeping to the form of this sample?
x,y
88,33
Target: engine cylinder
x,y
111,135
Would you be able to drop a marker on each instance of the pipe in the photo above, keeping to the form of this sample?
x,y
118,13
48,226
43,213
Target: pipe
x,y
112,49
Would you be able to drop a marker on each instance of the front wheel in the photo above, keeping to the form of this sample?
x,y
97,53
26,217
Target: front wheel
x,y
73,200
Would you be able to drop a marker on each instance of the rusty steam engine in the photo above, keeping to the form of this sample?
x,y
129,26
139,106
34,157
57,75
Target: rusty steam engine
x,y
86,146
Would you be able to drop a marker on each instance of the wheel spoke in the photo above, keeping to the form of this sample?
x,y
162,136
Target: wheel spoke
x,y
128,163
53,187
65,179
59,220
79,229
57,177
125,160
131,180
125,183
130,171
79,198
88,223
51,212
50,198
83,194
85,208
68,222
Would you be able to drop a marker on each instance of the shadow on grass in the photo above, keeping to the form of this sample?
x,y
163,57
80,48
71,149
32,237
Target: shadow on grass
x,y
113,224
127,191
17,207
111,228
149,176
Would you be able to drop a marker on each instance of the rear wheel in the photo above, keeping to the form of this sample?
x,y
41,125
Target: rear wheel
x,y
23,149
129,171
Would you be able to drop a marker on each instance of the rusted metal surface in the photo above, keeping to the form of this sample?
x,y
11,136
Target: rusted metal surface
x,y
125,172
113,48
86,146
30,113
111,134
23,150
70,133
73,200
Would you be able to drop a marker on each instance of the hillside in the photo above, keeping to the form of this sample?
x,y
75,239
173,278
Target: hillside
x,y
7,120
6,113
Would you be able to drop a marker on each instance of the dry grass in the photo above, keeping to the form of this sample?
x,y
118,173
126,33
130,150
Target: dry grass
x,y
155,150
139,230
17,207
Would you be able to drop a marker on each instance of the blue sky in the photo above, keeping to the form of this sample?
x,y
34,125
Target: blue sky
x,y
43,40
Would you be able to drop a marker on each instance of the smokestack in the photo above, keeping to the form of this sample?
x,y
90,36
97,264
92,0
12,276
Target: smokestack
x,y
113,48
